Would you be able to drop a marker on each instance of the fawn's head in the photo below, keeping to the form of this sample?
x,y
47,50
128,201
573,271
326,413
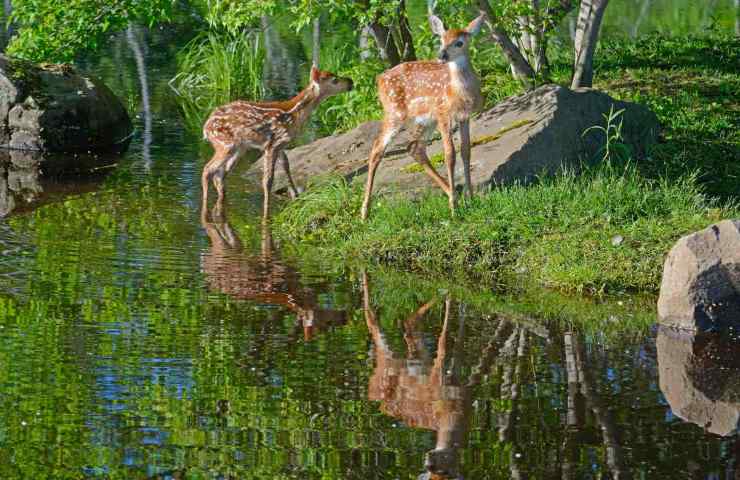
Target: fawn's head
x,y
329,84
455,42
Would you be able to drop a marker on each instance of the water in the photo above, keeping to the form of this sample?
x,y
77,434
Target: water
x,y
138,342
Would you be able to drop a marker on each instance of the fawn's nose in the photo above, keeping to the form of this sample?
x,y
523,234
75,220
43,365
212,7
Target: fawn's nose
x,y
351,84
443,56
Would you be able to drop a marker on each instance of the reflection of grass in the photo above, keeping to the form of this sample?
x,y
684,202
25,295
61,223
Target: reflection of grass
x,y
215,69
438,159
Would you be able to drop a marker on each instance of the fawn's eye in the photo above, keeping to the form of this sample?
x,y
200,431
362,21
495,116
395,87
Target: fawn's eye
x,y
459,43
334,80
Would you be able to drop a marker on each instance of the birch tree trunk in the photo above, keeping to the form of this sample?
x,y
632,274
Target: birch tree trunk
x,y
520,67
590,16
365,51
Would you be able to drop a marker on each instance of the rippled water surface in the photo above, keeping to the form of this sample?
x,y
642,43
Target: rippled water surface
x,y
137,341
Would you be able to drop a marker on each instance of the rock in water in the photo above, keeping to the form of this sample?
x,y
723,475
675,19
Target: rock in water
x,y
54,108
517,140
701,280
699,378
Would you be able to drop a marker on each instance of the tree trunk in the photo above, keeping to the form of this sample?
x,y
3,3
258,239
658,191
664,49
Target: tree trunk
x,y
365,52
386,44
641,16
407,51
519,64
282,73
587,36
603,415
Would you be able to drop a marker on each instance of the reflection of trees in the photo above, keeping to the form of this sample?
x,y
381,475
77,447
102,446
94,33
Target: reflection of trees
x,y
138,51
581,383
284,56
431,392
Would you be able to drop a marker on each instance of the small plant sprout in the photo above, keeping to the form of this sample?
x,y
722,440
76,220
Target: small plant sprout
x,y
614,147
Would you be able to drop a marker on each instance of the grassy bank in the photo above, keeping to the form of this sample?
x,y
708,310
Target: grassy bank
x,y
601,231
606,230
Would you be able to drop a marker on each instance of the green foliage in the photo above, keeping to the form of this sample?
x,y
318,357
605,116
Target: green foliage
x,y
56,30
215,69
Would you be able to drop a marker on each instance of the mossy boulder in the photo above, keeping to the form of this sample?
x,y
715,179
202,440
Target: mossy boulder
x,y
55,108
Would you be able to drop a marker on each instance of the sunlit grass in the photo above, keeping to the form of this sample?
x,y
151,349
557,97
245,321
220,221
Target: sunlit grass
x,y
560,232
215,69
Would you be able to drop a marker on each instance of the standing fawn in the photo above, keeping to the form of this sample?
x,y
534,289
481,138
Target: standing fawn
x,y
426,93
239,126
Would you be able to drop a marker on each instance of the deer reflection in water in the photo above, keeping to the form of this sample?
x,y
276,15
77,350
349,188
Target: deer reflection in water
x,y
430,392
261,277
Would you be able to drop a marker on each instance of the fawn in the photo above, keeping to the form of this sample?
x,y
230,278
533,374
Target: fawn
x,y
236,127
426,93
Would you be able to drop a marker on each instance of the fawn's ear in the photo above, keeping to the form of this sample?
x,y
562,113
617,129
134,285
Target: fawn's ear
x,y
474,27
438,28
315,74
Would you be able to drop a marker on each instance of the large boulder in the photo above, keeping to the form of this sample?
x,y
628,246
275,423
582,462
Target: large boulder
x,y
700,378
519,139
701,280
54,108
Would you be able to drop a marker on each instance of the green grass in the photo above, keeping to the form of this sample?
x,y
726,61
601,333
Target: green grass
x,y
558,232
215,69
692,85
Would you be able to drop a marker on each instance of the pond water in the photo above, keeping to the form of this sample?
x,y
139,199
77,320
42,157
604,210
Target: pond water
x,y
137,341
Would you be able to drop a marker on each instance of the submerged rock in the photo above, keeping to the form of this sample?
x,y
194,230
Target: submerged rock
x,y
55,108
701,280
700,378
517,140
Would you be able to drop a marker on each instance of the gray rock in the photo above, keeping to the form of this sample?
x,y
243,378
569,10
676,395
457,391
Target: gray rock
x,y
701,280
519,139
700,378
54,108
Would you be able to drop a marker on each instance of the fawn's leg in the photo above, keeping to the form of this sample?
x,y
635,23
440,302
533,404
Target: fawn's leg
x,y
268,172
219,157
387,133
465,154
445,128
418,150
286,167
